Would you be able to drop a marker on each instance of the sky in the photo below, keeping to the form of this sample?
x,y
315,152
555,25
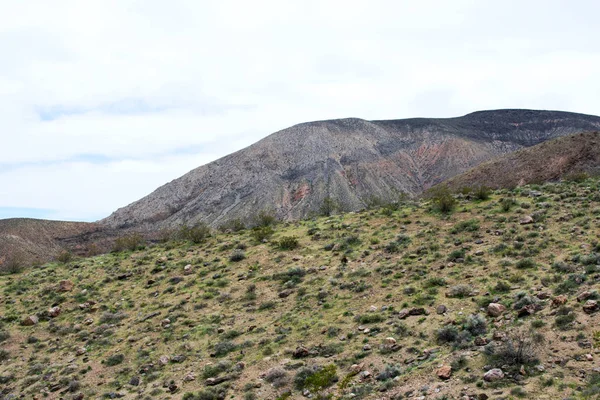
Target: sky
x,y
103,101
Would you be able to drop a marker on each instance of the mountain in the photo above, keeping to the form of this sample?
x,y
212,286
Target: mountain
x,y
548,161
352,161
36,240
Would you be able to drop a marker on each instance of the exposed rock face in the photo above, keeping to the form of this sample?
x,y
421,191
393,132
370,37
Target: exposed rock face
x,y
495,309
350,160
548,161
493,375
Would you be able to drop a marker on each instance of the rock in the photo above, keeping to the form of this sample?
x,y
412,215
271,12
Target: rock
x,y
364,375
522,370
30,320
493,375
187,270
389,341
189,377
134,381
495,309
559,300
444,372
356,368
80,351
417,311
54,312
217,380
300,352
165,323
367,347
373,309
65,286
480,341
583,296
441,309
285,293
88,321
589,357
163,360
528,219
527,310
590,306
403,313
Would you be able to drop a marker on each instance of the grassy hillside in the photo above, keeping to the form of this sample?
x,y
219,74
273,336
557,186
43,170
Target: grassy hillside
x,y
387,303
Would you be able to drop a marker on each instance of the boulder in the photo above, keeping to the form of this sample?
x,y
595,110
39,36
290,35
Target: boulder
x,y
493,375
30,320
590,306
495,309
65,286
441,309
54,312
528,219
444,372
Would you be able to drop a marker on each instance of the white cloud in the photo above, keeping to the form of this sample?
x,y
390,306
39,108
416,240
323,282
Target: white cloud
x,y
156,88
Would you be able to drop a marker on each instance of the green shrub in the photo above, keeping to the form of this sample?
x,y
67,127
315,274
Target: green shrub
x,y
525,263
64,256
129,242
442,200
234,225
262,233
12,264
237,255
197,233
115,359
471,225
264,218
328,207
288,243
482,193
316,379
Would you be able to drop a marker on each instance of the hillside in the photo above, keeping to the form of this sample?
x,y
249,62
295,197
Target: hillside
x,y
353,161
548,161
497,299
36,240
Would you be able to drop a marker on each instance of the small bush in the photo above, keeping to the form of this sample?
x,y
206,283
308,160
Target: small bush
x,y
482,193
328,207
262,233
476,325
460,291
237,255
520,348
223,348
507,203
130,242
447,334
442,200
264,218
197,233
12,264
115,359
234,225
525,263
64,256
288,243
471,225
316,379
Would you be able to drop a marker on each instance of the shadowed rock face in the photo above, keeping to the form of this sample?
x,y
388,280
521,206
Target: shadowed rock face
x,y
548,161
350,160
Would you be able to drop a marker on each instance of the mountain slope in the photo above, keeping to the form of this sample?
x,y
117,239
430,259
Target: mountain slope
x,y
352,161
545,162
36,240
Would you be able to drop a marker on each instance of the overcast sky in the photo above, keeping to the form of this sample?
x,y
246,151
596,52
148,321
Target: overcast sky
x,y
103,101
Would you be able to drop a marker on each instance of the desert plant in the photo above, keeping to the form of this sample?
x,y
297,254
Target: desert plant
x,y
442,200
328,207
129,242
64,256
262,233
13,263
482,192
197,233
288,243
520,348
237,255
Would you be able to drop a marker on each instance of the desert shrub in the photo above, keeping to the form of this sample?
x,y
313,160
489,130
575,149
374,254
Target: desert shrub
x,y
237,255
288,243
389,372
442,200
507,203
115,359
501,287
234,225
264,218
13,263
315,378
64,256
212,370
447,334
576,177
277,377
4,355
262,233
108,317
129,242
371,318
4,336
520,348
293,275
328,207
223,348
471,225
476,325
460,291
211,393
197,233
456,254
525,263
482,192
